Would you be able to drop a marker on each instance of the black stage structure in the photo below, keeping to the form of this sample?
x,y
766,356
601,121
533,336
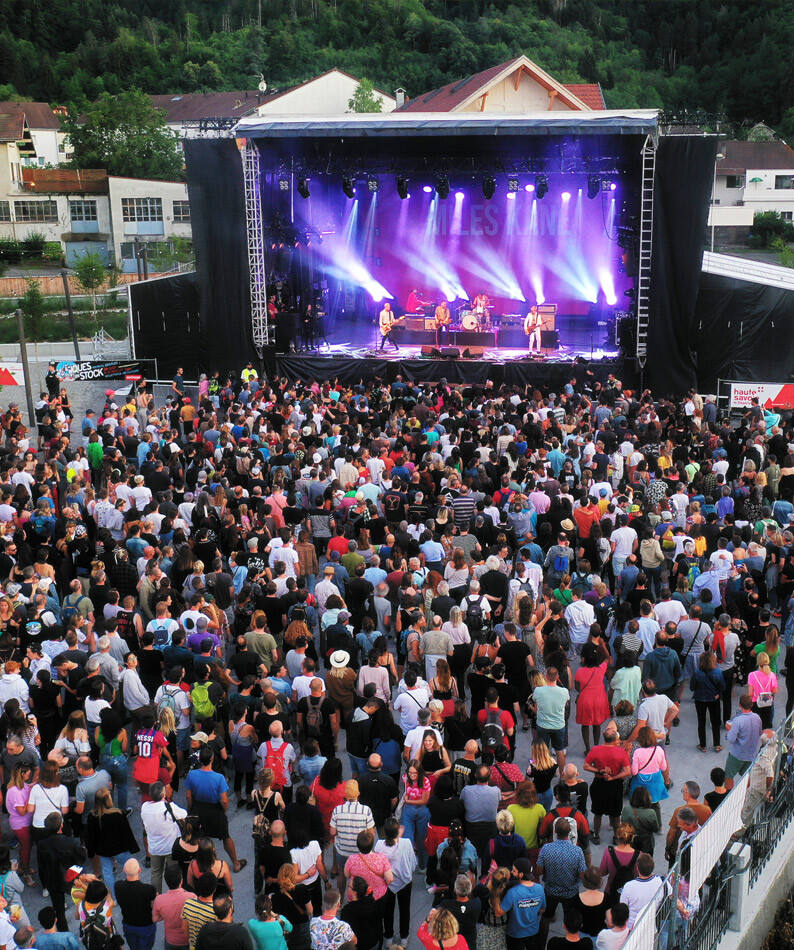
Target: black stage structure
x,y
254,229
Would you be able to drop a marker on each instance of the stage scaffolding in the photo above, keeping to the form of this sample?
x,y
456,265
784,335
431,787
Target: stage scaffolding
x,y
257,265
646,246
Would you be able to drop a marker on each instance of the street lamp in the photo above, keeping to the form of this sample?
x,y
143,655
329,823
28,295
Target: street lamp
x,y
718,157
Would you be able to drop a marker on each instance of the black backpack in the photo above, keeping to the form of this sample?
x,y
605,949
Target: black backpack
x,y
475,618
492,732
96,933
623,873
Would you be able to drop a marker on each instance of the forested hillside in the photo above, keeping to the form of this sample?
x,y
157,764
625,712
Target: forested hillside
x,y
735,56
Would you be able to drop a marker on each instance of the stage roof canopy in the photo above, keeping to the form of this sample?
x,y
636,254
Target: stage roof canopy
x,y
619,122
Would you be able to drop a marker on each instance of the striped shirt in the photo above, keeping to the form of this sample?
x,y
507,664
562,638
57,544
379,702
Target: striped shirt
x,y
347,820
197,913
464,507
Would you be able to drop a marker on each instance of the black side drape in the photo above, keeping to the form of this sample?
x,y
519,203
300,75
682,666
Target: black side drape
x,y
166,324
217,213
745,332
683,182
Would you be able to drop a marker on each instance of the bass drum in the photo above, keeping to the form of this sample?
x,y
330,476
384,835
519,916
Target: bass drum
x,y
469,321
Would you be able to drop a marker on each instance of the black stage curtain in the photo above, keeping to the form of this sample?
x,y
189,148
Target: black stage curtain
x,y
550,376
217,213
745,332
684,176
166,324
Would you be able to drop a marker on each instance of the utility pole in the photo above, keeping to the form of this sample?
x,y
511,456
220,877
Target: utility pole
x,y
136,245
145,262
23,349
72,325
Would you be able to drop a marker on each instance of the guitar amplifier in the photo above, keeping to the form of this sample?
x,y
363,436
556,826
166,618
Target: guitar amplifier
x,y
429,323
414,323
548,313
549,339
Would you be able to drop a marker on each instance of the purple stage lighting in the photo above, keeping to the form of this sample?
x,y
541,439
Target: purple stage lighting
x,y
565,195
459,194
428,189
511,194
529,187
613,186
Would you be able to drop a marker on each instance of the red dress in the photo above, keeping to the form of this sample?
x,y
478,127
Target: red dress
x,y
592,705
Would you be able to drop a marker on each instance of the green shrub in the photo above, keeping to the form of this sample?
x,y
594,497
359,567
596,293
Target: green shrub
x,y
10,251
34,244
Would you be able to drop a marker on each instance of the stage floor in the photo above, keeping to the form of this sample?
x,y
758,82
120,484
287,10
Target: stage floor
x,y
499,354
358,338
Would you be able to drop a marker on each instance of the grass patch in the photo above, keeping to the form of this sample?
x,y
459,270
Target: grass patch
x,y
55,326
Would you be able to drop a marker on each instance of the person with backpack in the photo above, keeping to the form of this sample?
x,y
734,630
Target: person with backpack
x,y
175,695
76,602
497,726
619,861
558,560
318,719
208,798
278,755
476,610
95,916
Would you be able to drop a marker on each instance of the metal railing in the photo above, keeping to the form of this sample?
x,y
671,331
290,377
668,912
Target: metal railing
x,y
698,920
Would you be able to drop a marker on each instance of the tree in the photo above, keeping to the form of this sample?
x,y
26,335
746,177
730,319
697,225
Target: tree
x,y
91,274
32,306
364,98
127,136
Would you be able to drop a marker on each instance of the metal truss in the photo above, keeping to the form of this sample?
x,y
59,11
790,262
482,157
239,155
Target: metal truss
x,y
257,266
208,128
646,247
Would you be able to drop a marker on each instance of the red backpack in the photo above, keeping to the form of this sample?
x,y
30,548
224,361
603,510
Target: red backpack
x,y
274,760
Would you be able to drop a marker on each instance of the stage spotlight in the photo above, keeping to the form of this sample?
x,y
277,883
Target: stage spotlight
x,y
512,184
612,186
442,187
529,187
593,186
541,186
402,187
606,185
283,184
565,195
348,187
427,189
372,184
303,187
488,187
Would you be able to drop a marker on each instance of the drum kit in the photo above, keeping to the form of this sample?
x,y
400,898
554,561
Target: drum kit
x,y
478,318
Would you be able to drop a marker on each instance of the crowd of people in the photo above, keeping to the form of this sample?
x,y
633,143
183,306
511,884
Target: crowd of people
x,y
339,608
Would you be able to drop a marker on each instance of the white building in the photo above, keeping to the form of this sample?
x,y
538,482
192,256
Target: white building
x,y
751,177
328,94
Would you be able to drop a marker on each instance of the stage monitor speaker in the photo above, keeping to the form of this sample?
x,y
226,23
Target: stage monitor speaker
x,y
447,352
549,339
429,350
474,353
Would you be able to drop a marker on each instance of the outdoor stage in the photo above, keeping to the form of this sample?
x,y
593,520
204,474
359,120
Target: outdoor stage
x,y
340,215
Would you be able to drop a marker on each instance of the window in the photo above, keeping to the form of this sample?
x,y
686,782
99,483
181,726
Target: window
x,y
181,212
142,209
734,181
785,215
5,210
784,181
36,211
84,209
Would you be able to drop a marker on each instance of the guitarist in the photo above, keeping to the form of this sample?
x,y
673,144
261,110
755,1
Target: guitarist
x,y
386,321
532,325
443,319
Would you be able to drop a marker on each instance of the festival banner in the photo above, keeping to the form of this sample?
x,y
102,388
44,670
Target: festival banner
x,y
98,369
12,374
770,395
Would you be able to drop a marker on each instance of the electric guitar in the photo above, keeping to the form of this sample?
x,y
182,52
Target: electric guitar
x,y
385,328
444,321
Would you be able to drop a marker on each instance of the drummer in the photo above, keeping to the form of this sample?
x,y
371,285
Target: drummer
x,y
481,306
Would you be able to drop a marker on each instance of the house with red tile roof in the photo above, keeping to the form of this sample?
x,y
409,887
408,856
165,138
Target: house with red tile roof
x,y
517,87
